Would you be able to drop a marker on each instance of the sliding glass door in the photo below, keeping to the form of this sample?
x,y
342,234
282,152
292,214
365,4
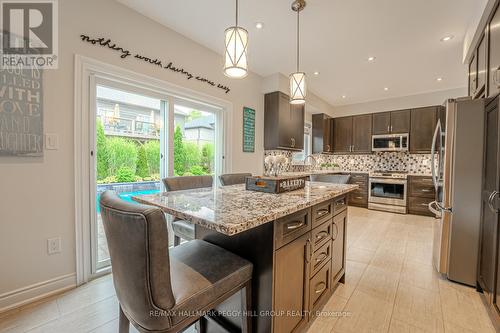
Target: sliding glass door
x,y
140,137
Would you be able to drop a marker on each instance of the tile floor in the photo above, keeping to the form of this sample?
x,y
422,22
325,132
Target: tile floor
x,y
390,286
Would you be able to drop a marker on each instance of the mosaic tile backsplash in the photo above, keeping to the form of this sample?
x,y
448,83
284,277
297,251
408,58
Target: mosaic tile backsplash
x,y
391,161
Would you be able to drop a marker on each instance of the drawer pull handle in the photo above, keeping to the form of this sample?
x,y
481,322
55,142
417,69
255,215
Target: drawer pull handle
x,y
321,235
340,202
424,204
323,287
322,212
294,225
322,257
426,190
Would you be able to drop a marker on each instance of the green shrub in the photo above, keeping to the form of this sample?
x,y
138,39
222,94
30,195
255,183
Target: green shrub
x,y
192,156
122,153
153,155
125,175
102,152
197,170
142,169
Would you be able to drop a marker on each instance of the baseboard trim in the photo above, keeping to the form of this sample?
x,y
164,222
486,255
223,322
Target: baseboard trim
x,y
22,296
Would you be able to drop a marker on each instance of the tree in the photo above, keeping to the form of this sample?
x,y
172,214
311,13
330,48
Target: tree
x,y
102,152
179,154
207,157
142,169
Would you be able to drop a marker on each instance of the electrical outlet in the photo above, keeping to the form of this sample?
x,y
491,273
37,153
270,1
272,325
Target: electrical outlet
x,y
54,245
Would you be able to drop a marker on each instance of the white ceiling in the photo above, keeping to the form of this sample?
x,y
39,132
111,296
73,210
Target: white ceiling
x,y
337,37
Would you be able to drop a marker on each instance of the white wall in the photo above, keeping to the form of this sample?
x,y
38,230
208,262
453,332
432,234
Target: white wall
x,y
407,102
37,195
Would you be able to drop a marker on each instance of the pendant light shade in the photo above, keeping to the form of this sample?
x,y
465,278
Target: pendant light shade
x,y
236,47
298,87
235,64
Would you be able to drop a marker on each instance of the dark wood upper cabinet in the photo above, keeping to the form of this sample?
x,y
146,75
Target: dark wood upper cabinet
x,y
391,122
342,135
423,124
473,76
322,134
283,123
400,121
482,68
381,123
362,134
494,55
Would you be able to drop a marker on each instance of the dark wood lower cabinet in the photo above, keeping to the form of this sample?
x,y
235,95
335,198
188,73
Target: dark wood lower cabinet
x,y
489,250
359,197
338,248
291,283
420,193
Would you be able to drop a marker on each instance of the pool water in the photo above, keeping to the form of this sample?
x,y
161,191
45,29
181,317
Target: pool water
x,y
127,196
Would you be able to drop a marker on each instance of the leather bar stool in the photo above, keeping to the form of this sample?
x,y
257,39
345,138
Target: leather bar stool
x,y
161,290
233,178
184,229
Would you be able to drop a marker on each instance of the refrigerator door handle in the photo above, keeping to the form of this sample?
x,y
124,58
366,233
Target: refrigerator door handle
x,y
490,201
434,210
433,153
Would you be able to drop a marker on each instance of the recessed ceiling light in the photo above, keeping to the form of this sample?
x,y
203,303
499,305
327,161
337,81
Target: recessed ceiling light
x,y
386,88
259,25
370,59
316,73
344,96
447,38
439,79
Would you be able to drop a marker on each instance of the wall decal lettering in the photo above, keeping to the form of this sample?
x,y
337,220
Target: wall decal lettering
x,y
124,53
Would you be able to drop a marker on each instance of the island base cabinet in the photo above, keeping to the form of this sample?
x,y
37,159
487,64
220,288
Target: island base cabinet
x,y
338,247
291,284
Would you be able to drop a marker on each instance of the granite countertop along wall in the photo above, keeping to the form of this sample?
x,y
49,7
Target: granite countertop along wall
x,y
232,209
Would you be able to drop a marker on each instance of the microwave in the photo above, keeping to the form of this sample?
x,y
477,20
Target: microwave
x,y
390,142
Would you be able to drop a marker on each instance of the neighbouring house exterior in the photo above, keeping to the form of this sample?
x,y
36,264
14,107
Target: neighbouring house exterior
x,y
125,115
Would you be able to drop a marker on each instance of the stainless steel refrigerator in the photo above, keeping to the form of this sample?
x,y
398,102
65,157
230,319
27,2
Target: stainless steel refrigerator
x,y
457,175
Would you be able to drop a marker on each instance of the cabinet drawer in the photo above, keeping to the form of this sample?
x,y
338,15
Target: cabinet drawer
x,y
339,204
319,286
358,198
359,176
321,234
321,256
290,227
322,212
421,187
419,206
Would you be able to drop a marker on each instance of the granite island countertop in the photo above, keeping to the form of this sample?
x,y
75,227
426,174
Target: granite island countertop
x,y
232,209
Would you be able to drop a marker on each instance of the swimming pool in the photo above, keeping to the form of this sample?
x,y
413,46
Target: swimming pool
x,y
127,196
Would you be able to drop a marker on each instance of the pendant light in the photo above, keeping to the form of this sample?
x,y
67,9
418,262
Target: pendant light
x,y
236,45
298,79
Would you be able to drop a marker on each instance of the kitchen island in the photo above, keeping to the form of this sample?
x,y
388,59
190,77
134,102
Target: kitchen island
x,y
295,240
